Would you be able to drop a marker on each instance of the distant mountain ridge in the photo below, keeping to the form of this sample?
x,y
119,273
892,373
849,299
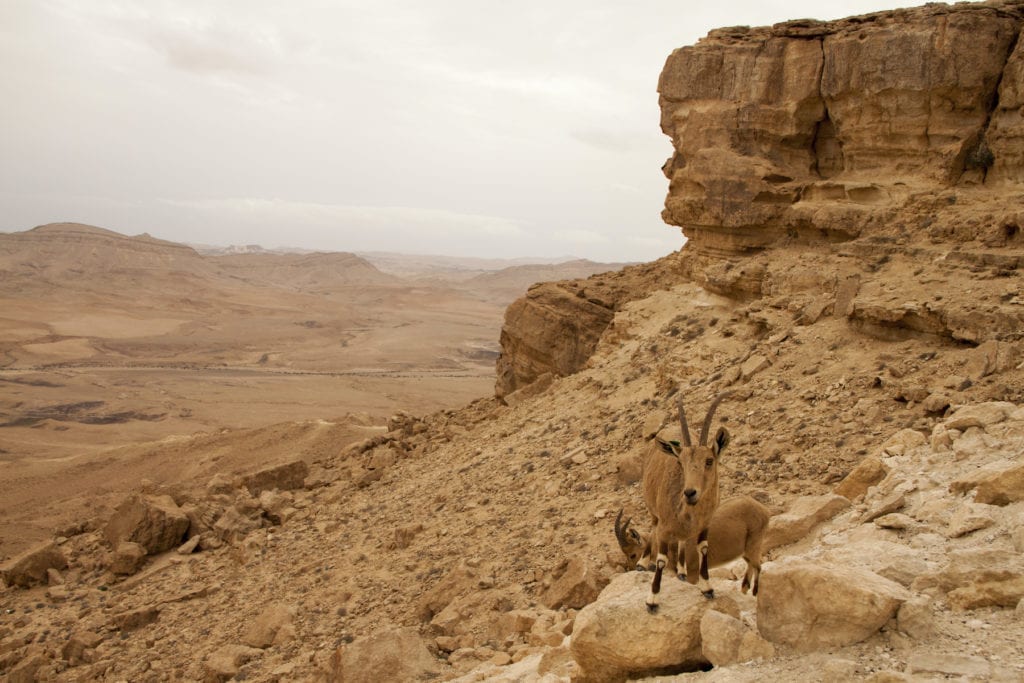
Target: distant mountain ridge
x,y
57,255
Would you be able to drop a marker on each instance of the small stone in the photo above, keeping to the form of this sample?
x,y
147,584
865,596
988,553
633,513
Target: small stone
x,y
136,618
754,365
866,474
895,520
189,546
889,504
948,665
127,558
223,663
264,629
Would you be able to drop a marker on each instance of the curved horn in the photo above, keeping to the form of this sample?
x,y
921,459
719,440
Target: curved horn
x,y
711,414
682,423
620,531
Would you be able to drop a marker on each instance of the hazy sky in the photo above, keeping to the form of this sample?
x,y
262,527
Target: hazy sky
x,y
462,127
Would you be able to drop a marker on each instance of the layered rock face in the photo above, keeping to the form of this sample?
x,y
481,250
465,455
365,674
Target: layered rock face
x,y
819,128
557,325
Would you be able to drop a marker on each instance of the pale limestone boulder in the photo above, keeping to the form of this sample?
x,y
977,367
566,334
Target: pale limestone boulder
x,y
811,605
616,636
803,515
273,621
968,567
387,657
31,567
1005,593
154,522
726,640
577,586
979,415
286,476
127,558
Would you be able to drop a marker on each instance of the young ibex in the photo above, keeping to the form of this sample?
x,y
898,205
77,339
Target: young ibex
x,y
681,491
737,529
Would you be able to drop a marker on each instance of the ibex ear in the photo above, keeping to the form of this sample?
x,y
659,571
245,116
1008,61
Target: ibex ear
x,y
721,440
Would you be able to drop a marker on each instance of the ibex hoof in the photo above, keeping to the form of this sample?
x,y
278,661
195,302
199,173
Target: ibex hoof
x,y
641,568
709,593
681,577
652,609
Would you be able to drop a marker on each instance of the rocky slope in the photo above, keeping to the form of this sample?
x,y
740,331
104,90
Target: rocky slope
x,y
875,352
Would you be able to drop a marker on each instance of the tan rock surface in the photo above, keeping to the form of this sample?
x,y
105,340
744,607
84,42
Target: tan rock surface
x,y
615,635
809,606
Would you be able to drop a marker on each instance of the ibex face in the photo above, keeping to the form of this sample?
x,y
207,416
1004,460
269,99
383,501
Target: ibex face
x,y
698,467
630,541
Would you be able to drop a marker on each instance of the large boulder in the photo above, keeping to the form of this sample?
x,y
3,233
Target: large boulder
x,y
726,640
388,657
154,522
286,476
30,568
812,605
615,636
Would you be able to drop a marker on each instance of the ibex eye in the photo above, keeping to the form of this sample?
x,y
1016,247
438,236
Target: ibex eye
x,y
709,462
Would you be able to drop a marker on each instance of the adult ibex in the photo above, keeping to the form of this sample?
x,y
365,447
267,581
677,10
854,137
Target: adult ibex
x,y
681,491
737,530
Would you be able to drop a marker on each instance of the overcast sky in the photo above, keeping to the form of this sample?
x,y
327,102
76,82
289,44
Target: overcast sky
x,y
460,127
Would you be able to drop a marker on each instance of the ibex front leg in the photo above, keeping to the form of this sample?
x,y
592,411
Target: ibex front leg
x,y
702,553
652,599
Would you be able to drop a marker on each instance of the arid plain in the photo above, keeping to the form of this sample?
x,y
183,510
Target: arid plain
x,y
116,348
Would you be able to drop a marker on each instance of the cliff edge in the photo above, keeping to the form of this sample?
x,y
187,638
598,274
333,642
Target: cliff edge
x,y
865,168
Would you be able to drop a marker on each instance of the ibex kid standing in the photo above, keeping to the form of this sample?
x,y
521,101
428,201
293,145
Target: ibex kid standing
x,y
681,491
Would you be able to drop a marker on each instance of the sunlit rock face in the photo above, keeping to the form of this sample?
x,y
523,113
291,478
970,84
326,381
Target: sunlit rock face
x,y
824,131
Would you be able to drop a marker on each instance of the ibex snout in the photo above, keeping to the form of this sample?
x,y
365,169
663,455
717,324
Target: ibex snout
x,y
692,496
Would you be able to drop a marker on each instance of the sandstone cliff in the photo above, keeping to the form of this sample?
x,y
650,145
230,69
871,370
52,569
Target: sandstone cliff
x,y
892,136
885,153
